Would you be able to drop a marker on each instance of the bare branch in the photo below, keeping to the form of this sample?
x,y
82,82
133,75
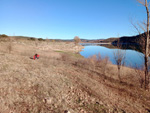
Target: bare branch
x,y
144,29
135,27
142,2
144,23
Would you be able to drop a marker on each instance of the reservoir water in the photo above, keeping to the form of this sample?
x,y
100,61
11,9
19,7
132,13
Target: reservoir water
x,y
132,57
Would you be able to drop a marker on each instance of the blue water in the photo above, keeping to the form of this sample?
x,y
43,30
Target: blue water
x,y
132,57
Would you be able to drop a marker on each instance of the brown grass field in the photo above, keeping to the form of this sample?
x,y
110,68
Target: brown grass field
x,y
61,81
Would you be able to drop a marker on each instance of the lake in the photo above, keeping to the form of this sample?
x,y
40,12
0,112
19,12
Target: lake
x,y
132,57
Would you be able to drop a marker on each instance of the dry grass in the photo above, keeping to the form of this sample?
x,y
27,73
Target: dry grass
x,y
59,82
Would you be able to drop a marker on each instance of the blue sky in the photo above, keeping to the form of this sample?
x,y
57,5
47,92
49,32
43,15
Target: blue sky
x,y
64,19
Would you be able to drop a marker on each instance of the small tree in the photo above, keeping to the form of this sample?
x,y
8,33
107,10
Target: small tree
x,y
119,57
76,40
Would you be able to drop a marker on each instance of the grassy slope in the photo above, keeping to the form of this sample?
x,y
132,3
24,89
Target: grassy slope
x,y
61,81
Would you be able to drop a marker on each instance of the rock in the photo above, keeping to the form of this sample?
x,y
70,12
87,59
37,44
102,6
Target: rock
x,y
66,111
48,100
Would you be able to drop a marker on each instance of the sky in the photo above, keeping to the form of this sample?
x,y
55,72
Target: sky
x,y
65,19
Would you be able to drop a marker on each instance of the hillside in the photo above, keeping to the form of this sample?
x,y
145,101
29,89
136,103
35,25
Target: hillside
x,y
91,41
109,40
129,40
126,40
62,81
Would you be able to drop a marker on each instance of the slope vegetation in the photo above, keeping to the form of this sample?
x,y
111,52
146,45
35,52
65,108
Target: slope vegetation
x,y
61,81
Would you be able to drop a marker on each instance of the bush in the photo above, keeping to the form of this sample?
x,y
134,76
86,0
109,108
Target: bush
x,y
3,35
33,39
40,39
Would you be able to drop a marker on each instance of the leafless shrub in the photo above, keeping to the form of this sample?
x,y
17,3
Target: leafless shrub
x,y
140,76
93,61
119,57
82,63
104,62
99,59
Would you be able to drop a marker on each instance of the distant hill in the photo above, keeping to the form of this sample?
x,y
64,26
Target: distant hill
x,y
123,40
138,39
109,40
128,42
91,41
129,39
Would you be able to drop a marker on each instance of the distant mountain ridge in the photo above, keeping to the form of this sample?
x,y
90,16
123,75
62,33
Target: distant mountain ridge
x,y
124,40
138,39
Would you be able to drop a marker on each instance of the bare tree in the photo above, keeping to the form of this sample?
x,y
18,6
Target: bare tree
x,y
76,40
145,27
119,56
